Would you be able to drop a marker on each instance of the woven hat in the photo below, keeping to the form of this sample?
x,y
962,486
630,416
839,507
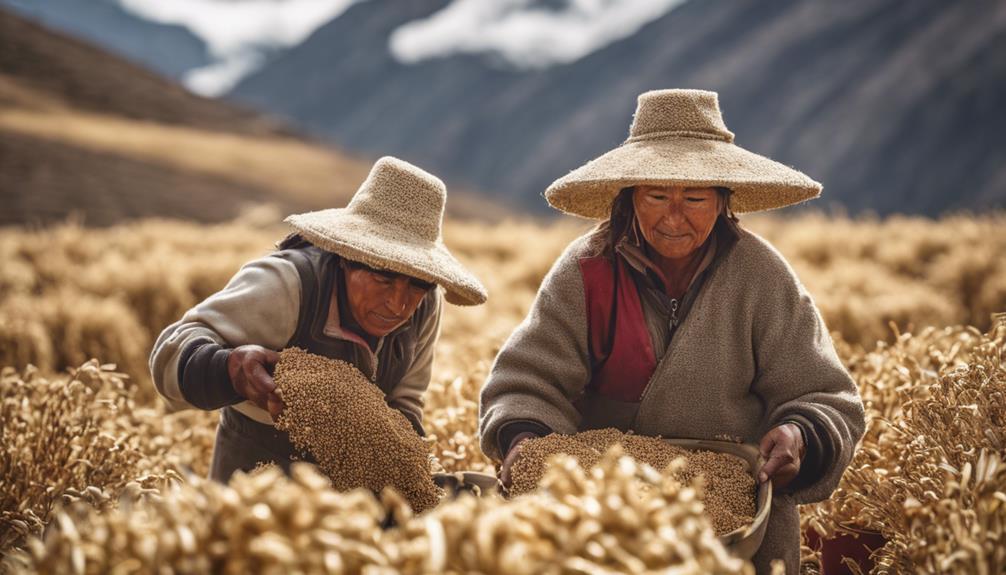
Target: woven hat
x,y
394,223
678,138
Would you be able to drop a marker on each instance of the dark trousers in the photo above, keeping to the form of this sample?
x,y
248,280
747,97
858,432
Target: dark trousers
x,y
243,443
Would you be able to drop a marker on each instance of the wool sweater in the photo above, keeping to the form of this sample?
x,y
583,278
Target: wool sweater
x,y
261,305
753,352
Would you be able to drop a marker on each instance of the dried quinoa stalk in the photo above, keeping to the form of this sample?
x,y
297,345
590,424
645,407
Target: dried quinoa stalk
x,y
729,488
262,522
340,418
266,522
61,439
580,522
929,475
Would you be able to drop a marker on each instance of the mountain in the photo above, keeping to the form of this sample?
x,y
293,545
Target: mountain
x,y
87,78
167,49
893,105
86,133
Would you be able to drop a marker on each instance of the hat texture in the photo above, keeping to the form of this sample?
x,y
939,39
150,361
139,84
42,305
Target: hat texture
x,y
678,138
394,223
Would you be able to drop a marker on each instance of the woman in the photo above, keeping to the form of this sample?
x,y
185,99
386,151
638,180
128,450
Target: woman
x,y
670,319
356,284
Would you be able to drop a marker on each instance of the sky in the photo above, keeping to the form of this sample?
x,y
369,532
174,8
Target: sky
x,y
239,33
526,33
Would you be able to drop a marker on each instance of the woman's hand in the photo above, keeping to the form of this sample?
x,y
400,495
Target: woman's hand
x,y
248,367
511,457
783,449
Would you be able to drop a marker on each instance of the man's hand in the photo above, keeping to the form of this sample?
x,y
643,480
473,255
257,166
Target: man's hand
x,y
512,456
248,367
783,449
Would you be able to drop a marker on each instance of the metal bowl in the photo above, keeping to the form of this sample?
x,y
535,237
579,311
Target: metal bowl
x,y
744,541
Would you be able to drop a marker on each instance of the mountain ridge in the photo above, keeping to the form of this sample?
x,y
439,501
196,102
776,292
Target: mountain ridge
x,y
867,96
170,50
86,134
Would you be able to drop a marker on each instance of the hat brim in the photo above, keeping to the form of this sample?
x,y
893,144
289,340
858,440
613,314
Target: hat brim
x,y
758,183
380,246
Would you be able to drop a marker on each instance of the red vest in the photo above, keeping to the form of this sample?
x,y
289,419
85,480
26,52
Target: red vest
x,y
621,353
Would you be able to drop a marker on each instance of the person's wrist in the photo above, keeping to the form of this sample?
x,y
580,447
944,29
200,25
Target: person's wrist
x,y
800,434
222,371
234,361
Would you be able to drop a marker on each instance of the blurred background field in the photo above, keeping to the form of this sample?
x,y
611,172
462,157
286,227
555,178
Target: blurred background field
x,y
69,293
146,153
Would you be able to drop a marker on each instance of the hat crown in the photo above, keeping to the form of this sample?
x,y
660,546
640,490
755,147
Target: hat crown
x,y
678,113
402,196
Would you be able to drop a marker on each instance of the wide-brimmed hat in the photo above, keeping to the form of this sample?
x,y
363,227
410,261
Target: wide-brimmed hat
x,y
394,223
678,138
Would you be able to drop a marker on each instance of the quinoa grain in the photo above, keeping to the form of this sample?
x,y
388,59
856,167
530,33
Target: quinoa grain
x,y
340,418
729,487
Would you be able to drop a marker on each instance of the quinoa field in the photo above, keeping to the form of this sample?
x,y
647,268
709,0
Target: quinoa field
x,y
96,476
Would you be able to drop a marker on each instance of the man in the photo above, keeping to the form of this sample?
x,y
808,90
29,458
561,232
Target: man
x,y
357,283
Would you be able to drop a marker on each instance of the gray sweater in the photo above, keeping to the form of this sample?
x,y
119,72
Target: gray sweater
x,y
753,352
260,305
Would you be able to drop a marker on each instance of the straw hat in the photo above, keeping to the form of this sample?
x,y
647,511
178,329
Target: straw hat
x,y
678,138
394,223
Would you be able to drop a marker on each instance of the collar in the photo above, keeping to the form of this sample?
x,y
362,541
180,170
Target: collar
x,y
635,255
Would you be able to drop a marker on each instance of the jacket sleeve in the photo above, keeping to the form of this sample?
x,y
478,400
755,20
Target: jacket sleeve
x,y
800,378
407,396
545,364
259,306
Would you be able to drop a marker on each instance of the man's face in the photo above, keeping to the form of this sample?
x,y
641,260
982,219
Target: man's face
x,y
381,301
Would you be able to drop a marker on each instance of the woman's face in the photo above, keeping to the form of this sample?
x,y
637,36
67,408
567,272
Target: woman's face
x,y
674,220
381,301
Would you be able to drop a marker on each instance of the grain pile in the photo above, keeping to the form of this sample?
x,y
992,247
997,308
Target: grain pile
x,y
529,468
341,419
729,487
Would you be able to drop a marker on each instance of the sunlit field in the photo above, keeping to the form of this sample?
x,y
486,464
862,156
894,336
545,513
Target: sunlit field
x,y
89,450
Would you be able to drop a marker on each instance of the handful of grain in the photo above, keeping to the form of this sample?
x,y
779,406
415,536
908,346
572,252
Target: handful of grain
x,y
729,488
334,413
